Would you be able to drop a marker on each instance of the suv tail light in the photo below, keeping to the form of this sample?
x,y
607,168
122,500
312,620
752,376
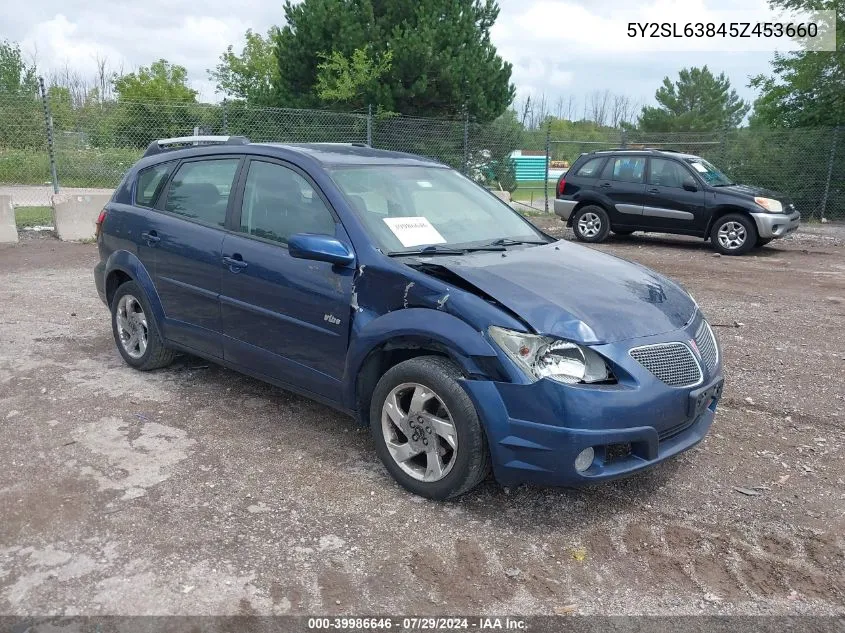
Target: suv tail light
x,y
99,224
561,185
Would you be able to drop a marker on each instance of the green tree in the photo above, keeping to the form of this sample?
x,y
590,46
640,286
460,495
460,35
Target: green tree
x,y
162,81
442,55
251,75
16,76
346,80
154,102
807,88
698,102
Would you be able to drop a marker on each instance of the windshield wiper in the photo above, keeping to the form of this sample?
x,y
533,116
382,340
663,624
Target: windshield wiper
x,y
724,184
429,250
502,242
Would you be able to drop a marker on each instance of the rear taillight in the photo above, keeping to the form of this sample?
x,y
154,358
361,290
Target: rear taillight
x,y
561,185
99,224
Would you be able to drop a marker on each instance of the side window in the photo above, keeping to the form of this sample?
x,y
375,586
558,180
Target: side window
x,y
591,168
200,190
278,202
625,169
150,183
667,173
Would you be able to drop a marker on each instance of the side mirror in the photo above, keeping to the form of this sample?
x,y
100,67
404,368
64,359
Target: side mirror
x,y
320,248
689,184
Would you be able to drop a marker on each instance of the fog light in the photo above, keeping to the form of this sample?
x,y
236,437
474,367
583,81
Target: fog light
x,y
584,459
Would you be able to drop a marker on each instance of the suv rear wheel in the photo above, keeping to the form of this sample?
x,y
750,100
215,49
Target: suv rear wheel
x,y
733,234
591,224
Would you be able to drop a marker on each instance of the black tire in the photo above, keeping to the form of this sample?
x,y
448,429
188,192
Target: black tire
x,y
761,242
601,219
622,231
748,241
156,355
471,463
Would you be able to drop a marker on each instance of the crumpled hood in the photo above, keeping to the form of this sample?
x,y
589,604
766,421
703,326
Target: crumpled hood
x,y
577,293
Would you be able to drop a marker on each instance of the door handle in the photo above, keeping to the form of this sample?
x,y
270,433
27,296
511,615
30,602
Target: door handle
x,y
653,190
605,185
151,237
236,264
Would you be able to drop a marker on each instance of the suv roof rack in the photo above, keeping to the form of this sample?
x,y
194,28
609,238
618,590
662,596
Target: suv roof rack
x,y
637,149
167,144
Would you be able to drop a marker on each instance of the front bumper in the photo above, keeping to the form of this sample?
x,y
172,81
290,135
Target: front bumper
x,y
773,225
535,431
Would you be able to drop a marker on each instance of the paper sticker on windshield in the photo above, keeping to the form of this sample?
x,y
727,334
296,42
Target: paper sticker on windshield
x,y
414,231
424,184
699,167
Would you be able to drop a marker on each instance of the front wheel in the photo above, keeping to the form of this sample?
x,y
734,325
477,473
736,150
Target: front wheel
x,y
733,234
591,224
426,430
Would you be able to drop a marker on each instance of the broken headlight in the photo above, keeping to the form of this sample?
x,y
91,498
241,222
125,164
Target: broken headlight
x,y
546,357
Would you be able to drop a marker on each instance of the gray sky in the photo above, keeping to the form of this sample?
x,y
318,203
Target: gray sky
x,y
559,47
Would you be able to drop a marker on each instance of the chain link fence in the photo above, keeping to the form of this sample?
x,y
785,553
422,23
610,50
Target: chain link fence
x,y
93,144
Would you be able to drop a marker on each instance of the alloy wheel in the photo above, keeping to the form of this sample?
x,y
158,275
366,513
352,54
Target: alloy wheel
x,y
589,225
132,327
419,432
732,235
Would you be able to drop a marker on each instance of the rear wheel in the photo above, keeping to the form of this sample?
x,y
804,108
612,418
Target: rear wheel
x,y
136,331
733,234
591,224
426,430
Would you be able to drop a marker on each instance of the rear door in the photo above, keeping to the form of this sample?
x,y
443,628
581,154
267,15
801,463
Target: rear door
x,y
668,205
622,182
283,317
187,234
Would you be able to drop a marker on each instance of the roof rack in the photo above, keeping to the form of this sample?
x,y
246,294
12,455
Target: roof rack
x,y
637,149
167,144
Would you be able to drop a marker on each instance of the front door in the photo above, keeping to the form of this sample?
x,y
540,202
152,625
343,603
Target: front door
x,y
668,205
187,234
283,317
622,183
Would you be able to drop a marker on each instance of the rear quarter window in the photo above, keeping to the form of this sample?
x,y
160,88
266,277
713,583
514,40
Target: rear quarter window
x,y
591,168
150,183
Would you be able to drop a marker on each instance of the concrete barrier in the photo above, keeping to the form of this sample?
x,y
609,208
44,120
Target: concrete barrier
x,y
8,229
75,215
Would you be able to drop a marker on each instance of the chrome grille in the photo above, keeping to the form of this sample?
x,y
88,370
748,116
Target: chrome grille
x,y
673,363
706,342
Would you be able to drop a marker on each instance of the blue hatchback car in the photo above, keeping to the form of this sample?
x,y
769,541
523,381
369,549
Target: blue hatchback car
x,y
396,290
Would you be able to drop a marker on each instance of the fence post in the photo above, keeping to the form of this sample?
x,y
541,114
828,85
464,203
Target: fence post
x,y
829,170
466,139
370,125
48,125
548,158
225,118
723,145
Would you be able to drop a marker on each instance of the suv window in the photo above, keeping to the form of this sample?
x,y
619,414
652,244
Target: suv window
x,y
278,202
150,183
625,169
200,190
667,173
591,168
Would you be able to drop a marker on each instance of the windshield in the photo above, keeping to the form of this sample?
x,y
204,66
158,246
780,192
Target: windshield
x,y
406,208
710,174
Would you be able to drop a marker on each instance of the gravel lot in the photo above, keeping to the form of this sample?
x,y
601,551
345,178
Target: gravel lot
x,y
194,490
